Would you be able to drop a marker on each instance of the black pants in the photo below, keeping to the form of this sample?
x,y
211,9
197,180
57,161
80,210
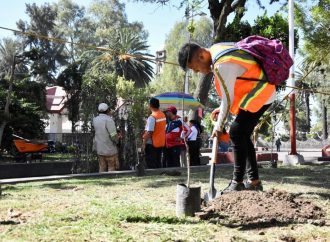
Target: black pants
x,y
172,156
153,156
194,153
278,148
244,152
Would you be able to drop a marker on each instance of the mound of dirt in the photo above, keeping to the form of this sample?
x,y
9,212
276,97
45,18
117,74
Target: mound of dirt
x,y
271,207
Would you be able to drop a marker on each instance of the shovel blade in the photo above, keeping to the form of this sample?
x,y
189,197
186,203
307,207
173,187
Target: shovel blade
x,y
212,194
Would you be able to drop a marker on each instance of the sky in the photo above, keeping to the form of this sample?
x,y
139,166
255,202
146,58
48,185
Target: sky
x,y
157,19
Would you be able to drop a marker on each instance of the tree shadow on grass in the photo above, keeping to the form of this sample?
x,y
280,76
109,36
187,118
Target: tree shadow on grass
x,y
9,222
59,186
322,195
163,180
314,176
68,185
158,219
256,225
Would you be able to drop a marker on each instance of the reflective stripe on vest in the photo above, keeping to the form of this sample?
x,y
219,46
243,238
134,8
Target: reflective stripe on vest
x,y
248,95
158,136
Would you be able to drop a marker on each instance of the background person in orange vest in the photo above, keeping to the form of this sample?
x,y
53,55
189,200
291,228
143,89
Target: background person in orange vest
x,y
224,141
154,136
246,99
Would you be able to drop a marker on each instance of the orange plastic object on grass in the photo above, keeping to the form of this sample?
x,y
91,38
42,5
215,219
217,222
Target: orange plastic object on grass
x,y
25,147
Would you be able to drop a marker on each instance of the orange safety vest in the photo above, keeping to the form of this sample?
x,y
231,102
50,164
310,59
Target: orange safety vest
x,y
248,95
224,138
158,136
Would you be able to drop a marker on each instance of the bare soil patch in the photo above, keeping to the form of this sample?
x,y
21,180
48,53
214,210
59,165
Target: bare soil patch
x,y
262,209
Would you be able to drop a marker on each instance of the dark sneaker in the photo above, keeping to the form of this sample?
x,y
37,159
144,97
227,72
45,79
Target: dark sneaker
x,y
249,186
234,186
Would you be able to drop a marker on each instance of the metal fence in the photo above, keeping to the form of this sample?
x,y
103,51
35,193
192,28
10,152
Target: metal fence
x,y
79,147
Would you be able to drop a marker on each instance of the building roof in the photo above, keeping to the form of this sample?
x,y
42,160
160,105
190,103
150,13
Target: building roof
x,y
55,99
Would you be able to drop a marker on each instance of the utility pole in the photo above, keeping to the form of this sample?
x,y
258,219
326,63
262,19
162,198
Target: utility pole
x,y
293,158
292,95
186,82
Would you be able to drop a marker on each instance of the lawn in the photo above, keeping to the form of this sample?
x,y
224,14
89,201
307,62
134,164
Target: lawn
x,y
143,209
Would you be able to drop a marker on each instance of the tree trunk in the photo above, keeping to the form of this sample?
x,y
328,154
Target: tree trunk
x,y
219,12
204,84
308,112
2,128
73,126
6,113
324,121
201,92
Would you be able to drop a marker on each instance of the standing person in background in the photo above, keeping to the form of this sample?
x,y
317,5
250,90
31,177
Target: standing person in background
x,y
278,145
154,136
106,139
193,144
174,142
224,141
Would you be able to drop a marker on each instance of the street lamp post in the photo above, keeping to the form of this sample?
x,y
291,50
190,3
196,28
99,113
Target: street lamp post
x,y
293,158
292,95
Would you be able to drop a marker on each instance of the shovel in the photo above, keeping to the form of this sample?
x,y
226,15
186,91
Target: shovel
x,y
212,192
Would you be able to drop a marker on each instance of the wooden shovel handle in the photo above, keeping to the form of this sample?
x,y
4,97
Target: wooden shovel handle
x,y
215,145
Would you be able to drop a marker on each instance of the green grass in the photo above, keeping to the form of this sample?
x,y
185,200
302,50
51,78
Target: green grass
x,y
143,209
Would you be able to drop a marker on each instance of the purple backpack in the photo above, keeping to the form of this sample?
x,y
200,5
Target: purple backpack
x,y
273,57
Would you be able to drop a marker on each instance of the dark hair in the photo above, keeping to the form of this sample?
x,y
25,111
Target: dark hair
x,y
104,112
186,53
154,102
197,125
192,121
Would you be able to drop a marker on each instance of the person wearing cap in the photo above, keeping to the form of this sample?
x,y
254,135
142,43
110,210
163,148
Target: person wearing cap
x,y
154,135
105,139
174,140
245,98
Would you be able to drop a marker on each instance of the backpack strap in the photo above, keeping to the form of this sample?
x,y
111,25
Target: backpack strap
x,y
222,53
251,79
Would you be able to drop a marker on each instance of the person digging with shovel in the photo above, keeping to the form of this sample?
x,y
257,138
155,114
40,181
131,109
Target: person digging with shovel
x,y
247,99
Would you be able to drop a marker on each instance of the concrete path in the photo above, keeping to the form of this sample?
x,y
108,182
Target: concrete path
x,y
310,155
113,174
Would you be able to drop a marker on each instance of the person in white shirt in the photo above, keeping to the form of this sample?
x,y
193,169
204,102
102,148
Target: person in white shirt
x,y
105,139
193,143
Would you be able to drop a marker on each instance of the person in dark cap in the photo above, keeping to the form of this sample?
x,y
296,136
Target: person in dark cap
x,y
174,141
154,135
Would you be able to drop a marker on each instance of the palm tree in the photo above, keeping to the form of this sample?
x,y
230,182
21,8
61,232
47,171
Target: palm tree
x,y
305,80
51,54
8,49
129,58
